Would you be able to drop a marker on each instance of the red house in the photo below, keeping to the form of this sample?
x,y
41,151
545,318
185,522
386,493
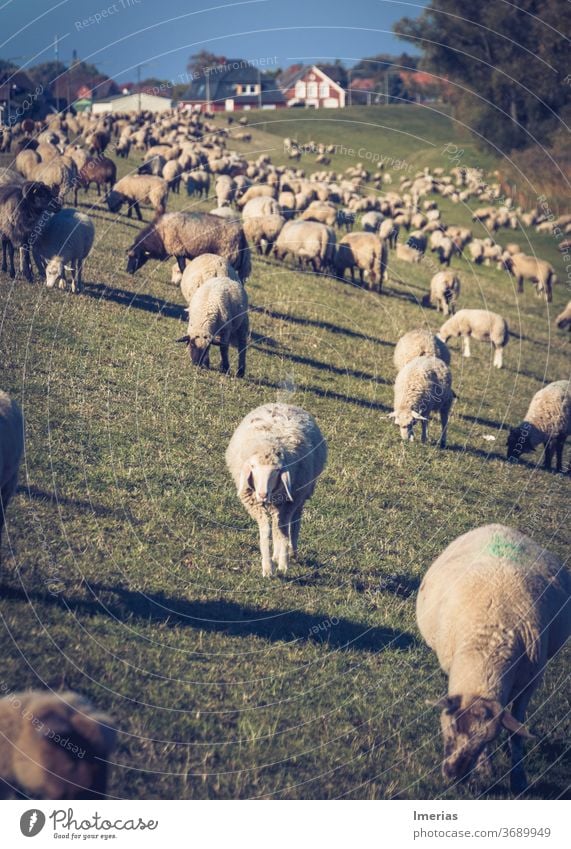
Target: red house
x,y
310,86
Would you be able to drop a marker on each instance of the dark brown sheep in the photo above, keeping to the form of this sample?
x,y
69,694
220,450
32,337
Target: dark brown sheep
x,y
99,170
22,210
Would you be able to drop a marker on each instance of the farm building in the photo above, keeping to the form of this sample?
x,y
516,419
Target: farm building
x,y
236,85
135,102
311,86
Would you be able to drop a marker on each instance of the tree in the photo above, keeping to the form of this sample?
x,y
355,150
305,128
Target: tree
x,y
199,62
502,60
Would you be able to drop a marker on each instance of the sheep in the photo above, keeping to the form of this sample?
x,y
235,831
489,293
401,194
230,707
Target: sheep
x,y
419,342
389,232
317,210
538,271
482,325
60,174
26,163
135,189
371,221
422,386
199,270
54,746
366,252
23,210
445,291
101,171
218,315
172,173
8,177
417,241
309,241
563,320
255,192
494,606
275,457
225,189
186,235
547,422
65,242
197,183
11,447
225,212
407,254
258,207
263,231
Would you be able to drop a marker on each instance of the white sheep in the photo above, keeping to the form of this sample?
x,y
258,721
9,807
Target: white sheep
x,y
54,746
422,386
494,607
445,291
547,422
11,447
419,342
407,254
538,271
389,232
482,325
218,315
275,456
64,243
201,269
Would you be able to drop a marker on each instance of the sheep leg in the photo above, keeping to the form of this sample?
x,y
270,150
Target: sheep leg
x,y
424,431
181,260
295,528
548,455
466,346
4,254
26,264
281,522
520,284
444,413
498,357
559,443
518,780
265,537
242,345
224,360
138,211
10,249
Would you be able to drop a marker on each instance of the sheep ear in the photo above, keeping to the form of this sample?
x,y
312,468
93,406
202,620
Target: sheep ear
x,y
246,478
515,727
416,415
185,339
447,703
286,481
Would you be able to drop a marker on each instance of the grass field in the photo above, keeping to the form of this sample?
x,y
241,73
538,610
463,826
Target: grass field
x,y
132,574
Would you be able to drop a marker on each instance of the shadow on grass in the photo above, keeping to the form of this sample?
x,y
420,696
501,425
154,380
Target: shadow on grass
x,y
126,298
324,325
221,617
317,364
36,494
479,420
328,393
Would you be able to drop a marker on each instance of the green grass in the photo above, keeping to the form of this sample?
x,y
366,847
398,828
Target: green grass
x,y
134,574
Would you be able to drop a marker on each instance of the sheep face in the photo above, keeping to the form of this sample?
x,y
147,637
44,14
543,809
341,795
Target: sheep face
x,y
114,202
55,273
266,480
199,348
518,442
135,260
467,730
176,275
40,197
406,421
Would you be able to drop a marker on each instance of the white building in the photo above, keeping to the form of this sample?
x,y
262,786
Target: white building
x,y
134,102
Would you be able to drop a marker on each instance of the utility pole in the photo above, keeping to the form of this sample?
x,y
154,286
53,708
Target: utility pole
x,y
387,87
139,85
207,89
259,89
349,86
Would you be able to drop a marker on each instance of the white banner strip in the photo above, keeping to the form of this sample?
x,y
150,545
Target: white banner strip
x,y
276,825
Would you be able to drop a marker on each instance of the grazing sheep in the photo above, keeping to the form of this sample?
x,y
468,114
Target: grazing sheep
x,y
11,447
367,253
547,422
482,325
186,235
309,241
65,242
389,232
255,192
417,241
24,209
197,183
59,174
26,163
445,291
494,606
419,342
321,211
225,189
135,189
371,221
422,386
218,315
258,207
199,270
407,254
538,271
101,171
54,746
563,320
275,456
263,231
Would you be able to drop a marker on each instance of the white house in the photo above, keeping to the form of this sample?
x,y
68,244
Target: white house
x,y
134,102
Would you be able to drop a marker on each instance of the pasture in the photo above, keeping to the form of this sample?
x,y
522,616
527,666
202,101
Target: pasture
x,y
132,573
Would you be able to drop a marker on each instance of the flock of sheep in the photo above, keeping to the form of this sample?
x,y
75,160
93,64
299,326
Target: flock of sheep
x,y
494,606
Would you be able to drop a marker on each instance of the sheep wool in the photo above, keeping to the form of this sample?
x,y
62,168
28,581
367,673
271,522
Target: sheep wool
x,y
482,325
419,342
422,387
547,422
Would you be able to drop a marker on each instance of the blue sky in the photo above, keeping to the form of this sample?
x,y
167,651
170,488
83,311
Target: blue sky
x,y
161,34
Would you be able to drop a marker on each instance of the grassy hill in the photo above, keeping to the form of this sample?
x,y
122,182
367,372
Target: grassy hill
x,y
132,573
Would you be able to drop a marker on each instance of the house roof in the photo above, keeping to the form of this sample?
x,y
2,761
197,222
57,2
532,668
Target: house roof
x,y
291,75
222,80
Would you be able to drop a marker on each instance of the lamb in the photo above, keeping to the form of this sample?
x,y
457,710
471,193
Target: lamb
x,y
199,270
494,606
135,189
482,325
186,235
218,315
309,241
444,291
23,210
366,252
419,342
11,447
422,386
54,746
538,271
275,457
547,422
65,242
563,320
